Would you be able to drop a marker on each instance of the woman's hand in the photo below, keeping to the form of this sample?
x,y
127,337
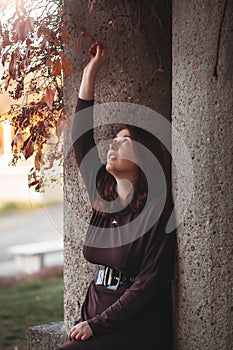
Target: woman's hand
x,y
98,55
81,331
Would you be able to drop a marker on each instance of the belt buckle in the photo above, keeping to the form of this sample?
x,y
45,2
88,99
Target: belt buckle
x,y
107,279
112,281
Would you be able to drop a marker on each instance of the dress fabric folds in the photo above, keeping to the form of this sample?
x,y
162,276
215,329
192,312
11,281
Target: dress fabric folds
x,y
137,315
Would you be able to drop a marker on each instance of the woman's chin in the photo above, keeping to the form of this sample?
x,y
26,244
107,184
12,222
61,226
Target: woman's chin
x,y
109,167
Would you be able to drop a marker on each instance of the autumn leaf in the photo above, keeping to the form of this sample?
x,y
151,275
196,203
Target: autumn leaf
x,y
160,70
79,43
48,61
28,42
49,97
65,35
4,56
26,60
7,82
33,183
22,27
82,35
37,160
60,127
18,139
43,43
6,41
12,65
28,148
19,90
66,66
56,68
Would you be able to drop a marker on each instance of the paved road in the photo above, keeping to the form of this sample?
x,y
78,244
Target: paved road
x,y
36,225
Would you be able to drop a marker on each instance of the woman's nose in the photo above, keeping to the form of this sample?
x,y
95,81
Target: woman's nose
x,y
113,145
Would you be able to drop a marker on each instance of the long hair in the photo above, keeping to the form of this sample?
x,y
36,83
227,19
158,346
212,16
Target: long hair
x,y
106,183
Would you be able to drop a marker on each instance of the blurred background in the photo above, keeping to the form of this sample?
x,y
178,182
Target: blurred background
x,y
31,247
26,216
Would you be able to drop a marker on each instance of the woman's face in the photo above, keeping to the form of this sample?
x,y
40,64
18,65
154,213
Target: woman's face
x,y
121,158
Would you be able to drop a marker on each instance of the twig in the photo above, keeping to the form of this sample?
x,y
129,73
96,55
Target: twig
x,y
215,73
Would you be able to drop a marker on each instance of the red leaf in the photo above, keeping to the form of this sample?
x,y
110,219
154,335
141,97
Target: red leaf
x,y
19,91
37,160
48,62
33,183
66,66
22,27
79,42
28,42
56,69
4,56
12,65
82,35
6,41
43,43
160,70
29,148
49,98
7,82
60,127
26,60
65,35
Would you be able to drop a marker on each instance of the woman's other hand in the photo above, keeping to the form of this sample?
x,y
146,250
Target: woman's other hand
x,y
81,331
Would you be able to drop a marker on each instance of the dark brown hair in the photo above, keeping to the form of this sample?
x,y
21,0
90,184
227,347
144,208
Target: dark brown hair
x,y
106,183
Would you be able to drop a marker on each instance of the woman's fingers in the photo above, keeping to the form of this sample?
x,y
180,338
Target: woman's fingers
x,y
97,50
75,334
80,331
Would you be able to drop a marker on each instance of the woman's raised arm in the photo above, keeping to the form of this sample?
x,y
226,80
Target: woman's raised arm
x,y
87,87
85,150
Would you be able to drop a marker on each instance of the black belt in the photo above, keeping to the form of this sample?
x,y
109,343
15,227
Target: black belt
x,y
111,278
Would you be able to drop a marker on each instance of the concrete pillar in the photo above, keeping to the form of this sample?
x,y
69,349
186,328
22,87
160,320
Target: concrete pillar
x,y
130,75
202,115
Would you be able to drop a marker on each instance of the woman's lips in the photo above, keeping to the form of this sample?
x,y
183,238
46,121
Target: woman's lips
x,y
112,156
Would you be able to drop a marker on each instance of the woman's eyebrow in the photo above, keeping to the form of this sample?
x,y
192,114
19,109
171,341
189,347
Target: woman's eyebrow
x,y
124,136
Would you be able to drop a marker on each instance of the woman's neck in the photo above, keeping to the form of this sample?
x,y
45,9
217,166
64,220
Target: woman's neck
x,y
125,189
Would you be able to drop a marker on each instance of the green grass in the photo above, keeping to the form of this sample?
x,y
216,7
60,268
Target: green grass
x,y
27,304
14,207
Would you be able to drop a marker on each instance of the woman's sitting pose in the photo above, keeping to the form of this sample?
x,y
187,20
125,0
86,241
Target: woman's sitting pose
x,y
129,303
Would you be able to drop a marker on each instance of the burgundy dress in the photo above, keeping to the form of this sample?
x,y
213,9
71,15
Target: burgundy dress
x,y
138,315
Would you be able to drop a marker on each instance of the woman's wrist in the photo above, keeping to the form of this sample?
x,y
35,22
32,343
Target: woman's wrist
x,y
89,75
87,87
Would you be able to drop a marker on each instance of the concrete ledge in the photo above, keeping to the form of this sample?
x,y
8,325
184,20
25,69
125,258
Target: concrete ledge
x,y
46,336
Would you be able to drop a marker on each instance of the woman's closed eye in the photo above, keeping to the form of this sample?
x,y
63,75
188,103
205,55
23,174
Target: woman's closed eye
x,y
125,140
121,139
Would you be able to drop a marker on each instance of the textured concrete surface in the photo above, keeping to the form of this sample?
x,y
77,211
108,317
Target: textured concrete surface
x,y
128,76
46,337
202,114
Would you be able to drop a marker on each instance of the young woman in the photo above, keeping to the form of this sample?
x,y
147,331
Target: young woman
x,y
129,303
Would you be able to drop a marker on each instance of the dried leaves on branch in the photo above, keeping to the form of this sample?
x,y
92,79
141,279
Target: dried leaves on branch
x,y
32,39
32,36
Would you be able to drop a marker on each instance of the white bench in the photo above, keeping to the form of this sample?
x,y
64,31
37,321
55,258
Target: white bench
x,y
29,258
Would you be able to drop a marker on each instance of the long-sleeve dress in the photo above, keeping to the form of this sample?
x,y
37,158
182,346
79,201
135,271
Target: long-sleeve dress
x,y
138,315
